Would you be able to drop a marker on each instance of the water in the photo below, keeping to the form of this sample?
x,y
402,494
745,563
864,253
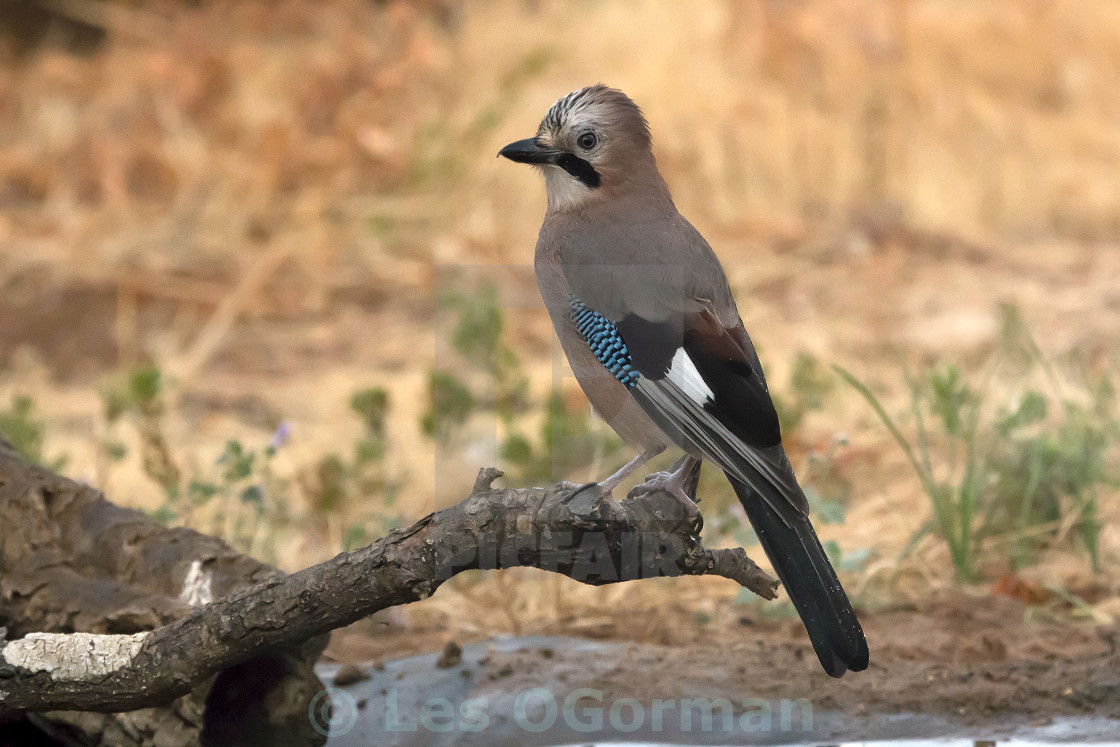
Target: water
x,y
886,743
891,743
413,703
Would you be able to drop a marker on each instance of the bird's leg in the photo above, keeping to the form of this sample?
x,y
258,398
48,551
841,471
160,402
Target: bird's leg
x,y
616,479
612,482
680,483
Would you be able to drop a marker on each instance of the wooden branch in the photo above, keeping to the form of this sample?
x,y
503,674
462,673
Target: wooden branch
x,y
71,561
577,532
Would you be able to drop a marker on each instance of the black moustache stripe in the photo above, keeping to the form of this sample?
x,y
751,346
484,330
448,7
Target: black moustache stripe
x,y
579,168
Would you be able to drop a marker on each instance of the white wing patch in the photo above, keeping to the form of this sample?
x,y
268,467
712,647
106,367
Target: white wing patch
x,y
668,402
683,373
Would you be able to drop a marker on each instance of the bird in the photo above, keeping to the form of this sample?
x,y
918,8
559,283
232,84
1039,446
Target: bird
x,y
645,315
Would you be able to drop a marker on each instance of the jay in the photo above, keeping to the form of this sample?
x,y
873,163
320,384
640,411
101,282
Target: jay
x,y
645,315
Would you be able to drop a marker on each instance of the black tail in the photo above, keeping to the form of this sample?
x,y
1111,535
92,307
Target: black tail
x,y
803,567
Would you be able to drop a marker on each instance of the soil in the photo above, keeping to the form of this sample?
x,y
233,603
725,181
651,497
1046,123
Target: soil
x,y
966,664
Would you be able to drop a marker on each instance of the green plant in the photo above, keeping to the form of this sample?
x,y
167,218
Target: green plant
x,y
826,487
240,496
853,560
567,443
139,396
450,404
492,366
808,388
491,382
1001,467
335,482
1047,479
955,498
21,426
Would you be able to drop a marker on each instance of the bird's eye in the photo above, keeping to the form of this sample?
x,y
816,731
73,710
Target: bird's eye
x,y
587,140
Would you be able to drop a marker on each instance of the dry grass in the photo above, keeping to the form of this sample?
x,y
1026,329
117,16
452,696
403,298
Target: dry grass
x,y
260,199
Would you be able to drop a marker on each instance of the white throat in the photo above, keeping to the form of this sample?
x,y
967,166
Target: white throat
x,y
565,192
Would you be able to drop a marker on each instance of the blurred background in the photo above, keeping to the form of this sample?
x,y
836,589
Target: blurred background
x,y
261,274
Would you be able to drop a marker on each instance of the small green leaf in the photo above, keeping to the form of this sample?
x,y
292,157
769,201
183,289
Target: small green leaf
x,y
372,406
830,512
144,385
855,560
252,495
23,429
354,537
114,403
238,463
1032,409
164,514
451,403
517,449
200,492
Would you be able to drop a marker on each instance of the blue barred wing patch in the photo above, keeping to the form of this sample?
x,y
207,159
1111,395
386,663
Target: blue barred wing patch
x,y
605,341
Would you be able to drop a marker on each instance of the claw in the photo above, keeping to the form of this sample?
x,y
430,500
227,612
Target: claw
x,y
679,483
599,491
580,488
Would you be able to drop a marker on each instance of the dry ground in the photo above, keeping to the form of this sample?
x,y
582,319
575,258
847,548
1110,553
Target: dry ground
x,y
972,662
262,200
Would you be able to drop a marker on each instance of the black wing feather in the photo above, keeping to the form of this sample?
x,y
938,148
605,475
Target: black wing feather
x,y
742,402
738,429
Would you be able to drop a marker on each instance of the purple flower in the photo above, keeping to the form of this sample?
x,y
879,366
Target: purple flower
x,y
280,437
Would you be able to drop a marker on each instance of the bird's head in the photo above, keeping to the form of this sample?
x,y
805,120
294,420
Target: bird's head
x,y
592,142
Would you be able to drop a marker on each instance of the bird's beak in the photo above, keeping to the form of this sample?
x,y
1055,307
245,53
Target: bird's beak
x,y
528,151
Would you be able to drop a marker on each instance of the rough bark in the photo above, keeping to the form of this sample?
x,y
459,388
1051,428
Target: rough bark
x,y
578,532
70,561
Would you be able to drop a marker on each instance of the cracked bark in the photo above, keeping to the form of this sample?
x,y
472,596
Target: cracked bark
x,y
579,533
70,561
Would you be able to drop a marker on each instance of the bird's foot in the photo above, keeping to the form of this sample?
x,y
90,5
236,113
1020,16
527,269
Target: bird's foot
x,y
596,490
680,483
566,486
